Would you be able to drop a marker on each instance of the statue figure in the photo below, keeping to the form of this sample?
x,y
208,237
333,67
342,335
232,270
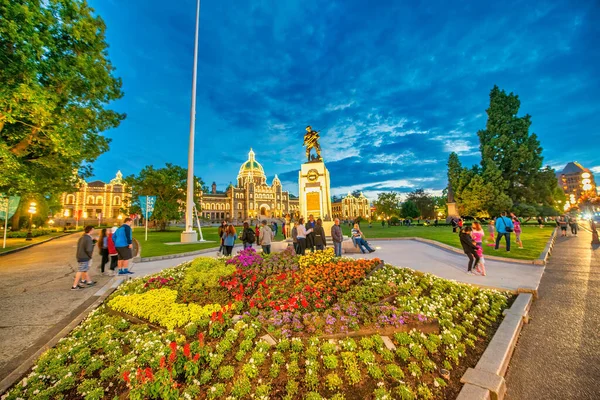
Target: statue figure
x,y
311,141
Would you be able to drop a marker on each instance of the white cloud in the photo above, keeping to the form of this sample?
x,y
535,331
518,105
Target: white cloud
x,y
596,169
337,107
461,147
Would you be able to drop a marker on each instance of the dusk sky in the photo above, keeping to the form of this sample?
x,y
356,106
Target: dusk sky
x,y
393,86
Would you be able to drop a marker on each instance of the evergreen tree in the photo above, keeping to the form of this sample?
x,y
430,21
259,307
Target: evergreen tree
x,y
409,210
424,202
455,170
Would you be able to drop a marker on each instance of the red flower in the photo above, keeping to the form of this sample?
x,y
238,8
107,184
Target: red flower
x,y
173,346
196,357
149,373
126,376
304,303
186,350
172,357
201,338
163,362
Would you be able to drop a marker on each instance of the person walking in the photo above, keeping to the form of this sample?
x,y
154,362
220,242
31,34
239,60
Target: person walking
x,y
123,239
562,222
517,229
337,237
85,248
103,249
540,222
454,225
310,237
573,225
221,232
320,240
362,244
248,236
275,228
295,239
112,251
265,237
492,229
301,235
469,247
229,238
504,226
257,234
478,234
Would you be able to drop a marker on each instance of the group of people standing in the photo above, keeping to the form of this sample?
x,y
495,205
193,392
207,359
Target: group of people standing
x,y
567,221
114,244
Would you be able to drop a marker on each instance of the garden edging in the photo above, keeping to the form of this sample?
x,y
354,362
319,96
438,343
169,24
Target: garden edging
x,y
486,380
101,295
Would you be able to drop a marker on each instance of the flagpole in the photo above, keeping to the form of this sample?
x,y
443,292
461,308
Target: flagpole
x,y
146,219
5,222
189,234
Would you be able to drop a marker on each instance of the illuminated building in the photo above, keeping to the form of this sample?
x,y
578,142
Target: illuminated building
x,y
576,181
351,207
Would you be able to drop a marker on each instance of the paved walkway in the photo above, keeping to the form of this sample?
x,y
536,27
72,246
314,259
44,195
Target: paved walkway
x,y
35,300
558,353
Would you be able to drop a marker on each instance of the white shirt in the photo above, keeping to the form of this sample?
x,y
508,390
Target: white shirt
x,y
302,232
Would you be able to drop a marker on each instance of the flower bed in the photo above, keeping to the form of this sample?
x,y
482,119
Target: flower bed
x,y
302,302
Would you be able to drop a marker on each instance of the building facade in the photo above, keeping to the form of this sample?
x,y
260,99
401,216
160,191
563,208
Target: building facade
x,y
252,197
576,181
95,201
351,207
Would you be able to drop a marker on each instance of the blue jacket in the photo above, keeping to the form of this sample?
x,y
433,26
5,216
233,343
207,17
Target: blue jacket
x,y
123,236
502,223
229,240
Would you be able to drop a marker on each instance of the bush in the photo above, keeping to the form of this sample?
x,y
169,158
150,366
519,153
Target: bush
x,y
34,233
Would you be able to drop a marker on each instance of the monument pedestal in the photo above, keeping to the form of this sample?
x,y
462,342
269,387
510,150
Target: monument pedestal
x,y
452,211
315,193
189,237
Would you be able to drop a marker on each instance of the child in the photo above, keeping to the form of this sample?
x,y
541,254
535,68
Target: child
x,y
469,247
478,234
492,229
517,230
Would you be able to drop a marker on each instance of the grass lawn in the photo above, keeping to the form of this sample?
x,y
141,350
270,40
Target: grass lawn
x,y
534,239
16,243
155,246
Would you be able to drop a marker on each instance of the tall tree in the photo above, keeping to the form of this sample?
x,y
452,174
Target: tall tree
x,y
409,210
57,81
424,202
507,144
387,204
169,185
455,170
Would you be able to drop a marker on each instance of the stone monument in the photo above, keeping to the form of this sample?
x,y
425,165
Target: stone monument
x,y
313,181
452,210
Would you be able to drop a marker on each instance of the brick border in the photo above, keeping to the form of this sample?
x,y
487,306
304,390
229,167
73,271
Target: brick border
x,y
486,380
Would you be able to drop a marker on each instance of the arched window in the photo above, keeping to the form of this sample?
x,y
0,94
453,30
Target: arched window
x,y
116,200
99,200
70,199
227,206
239,206
90,200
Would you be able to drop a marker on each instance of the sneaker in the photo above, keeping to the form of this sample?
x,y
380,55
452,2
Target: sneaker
x,y
82,282
371,251
90,283
127,271
76,287
122,272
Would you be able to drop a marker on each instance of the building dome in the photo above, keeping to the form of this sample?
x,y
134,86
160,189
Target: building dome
x,y
251,169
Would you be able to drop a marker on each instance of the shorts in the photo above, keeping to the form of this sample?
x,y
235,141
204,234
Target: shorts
x,y
83,266
124,253
563,228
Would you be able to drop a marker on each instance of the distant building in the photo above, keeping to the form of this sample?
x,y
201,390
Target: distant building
x,y
252,197
576,181
351,207
95,201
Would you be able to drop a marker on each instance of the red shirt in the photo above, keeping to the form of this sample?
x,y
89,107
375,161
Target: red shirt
x,y
111,245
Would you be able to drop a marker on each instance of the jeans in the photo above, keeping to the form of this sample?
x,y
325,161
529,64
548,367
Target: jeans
x,y
266,249
507,238
301,246
247,245
363,243
337,247
472,257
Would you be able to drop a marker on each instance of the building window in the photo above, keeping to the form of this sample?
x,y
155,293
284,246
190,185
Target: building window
x,y
116,200
70,199
99,200
90,200
239,206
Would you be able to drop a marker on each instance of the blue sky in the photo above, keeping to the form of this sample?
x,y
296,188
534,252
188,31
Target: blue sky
x,y
393,86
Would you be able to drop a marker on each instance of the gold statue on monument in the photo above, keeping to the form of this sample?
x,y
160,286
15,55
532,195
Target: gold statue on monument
x,y
311,141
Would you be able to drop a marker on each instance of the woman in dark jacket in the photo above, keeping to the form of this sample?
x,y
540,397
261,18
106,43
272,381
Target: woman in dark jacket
x,y
320,241
469,247
248,236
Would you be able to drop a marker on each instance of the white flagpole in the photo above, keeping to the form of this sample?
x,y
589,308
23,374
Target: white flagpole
x,y
189,234
5,222
146,219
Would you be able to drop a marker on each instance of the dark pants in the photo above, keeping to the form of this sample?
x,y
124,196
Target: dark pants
x,y
104,253
114,262
320,247
472,257
574,229
310,242
507,238
266,249
228,250
301,246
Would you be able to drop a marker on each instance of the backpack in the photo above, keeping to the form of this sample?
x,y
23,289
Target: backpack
x,y
250,235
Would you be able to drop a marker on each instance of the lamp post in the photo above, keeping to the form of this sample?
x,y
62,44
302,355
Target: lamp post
x,y
32,210
189,234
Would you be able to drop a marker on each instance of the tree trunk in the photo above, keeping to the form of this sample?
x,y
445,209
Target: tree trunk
x,y
15,220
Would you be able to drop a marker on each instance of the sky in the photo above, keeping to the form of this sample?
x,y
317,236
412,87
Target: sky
x,y
393,86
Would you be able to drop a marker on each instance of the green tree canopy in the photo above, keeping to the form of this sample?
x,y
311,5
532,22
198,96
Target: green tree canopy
x,y
424,201
409,210
57,81
387,204
169,185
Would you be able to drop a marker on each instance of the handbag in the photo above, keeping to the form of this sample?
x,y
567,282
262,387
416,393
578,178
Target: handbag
x,y
506,228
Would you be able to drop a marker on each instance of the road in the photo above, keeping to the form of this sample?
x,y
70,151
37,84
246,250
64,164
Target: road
x,y
35,297
558,353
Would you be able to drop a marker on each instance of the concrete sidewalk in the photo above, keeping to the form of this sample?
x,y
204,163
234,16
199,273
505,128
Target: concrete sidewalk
x,y
558,353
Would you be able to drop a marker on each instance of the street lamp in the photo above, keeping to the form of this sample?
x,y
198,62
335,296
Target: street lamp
x,y
32,210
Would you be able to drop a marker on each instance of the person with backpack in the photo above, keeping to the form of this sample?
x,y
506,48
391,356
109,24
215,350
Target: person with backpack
x,y
123,239
504,226
469,247
229,237
248,237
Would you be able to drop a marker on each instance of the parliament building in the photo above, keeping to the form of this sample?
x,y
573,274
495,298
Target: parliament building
x,y
252,197
350,207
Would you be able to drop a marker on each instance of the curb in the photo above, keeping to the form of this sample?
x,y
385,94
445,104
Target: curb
x,y
486,380
549,246
538,261
35,244
26,365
